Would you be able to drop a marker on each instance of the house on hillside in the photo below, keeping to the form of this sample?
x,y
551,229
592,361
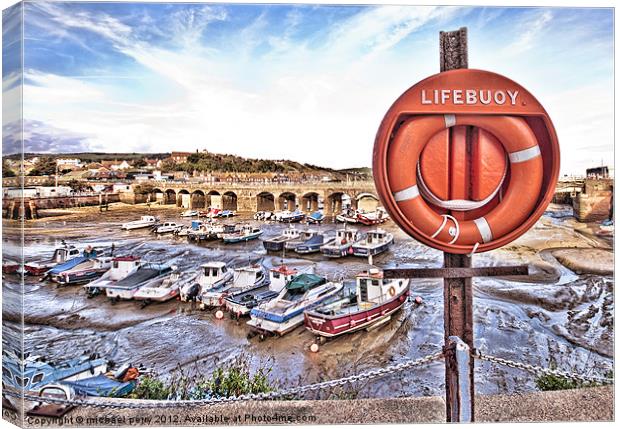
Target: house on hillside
x,y
179,157
116,165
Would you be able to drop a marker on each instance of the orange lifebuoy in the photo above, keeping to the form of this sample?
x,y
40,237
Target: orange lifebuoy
x,y
519,199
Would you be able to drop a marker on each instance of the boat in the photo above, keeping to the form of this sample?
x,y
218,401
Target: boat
x,y
166,288
313,244
189,213
373,218
244,279
276,244
373,304
227,213
213,212
167,227
144,222
303,237
241,303
342,244
34,372
246,233
211,231
85,271
375,242
348,216
316,217
61,254
181,231
289,216
102,385
122,266
10,266
286,312
211,274
263,215
146,274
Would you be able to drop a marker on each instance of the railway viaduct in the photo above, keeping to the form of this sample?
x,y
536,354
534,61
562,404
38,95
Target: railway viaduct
x,y
307,196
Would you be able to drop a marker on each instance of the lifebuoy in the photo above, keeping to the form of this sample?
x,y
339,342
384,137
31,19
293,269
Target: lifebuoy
x,y
392,291
519,199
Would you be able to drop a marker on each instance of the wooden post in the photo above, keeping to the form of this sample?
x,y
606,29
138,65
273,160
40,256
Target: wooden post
x,y
457,292
458,360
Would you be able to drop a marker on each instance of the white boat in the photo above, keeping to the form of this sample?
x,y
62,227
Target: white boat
x,y
263,215
85,271
302,238
286,312
241,303
244,279
212,273
380,215
166,288
276,244
144,222
146,275
289,216
348,216
189,213
182,231
246,233
121,268
342,245
167,227
62,254
375,242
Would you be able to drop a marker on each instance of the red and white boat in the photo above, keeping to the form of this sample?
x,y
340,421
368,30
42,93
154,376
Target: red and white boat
x,y
373,304
373,218
61,254
10,266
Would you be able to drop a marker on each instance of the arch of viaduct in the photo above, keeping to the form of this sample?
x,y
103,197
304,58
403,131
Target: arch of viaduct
x,y
331,197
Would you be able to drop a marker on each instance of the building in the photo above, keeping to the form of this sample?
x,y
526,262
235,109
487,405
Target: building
x,y
68,163
116,165
598,172
179,157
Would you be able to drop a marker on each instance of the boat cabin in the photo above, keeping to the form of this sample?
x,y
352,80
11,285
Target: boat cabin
x,y
280,276
212,272
348,235
148,219
122,266
291,232
247,276
375,237
65,253
372,287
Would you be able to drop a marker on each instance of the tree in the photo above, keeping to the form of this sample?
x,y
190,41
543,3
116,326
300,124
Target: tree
x,y
139,163
6,170
45,166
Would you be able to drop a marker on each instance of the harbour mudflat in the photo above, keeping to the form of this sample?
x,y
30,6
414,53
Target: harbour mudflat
x,y
554,314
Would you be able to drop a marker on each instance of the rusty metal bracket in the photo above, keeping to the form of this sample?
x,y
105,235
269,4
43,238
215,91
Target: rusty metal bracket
x,y
453,49
454,272
50,410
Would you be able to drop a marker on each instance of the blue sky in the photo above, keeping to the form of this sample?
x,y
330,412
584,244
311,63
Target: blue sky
x,y
303,82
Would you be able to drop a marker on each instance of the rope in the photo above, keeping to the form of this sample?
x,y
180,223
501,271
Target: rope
x,y
455,234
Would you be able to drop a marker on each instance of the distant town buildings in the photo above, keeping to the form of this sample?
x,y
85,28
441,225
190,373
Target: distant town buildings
x,y
179,157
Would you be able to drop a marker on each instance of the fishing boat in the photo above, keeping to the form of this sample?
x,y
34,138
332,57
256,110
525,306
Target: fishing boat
x,y
375,242
167,227
211,231
287,216
373,304
313,244
316,217
144,222
303,237
286,312
10,266
61,254
276,244
165,288
244,279
241,303
86,270
246,233
144,275
347,216
227,213
34,372
181,231
213,212
373,218
214,273
263,215
189,213
342,244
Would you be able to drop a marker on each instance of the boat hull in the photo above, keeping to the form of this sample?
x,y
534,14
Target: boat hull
x,y
273,246
365,251
77,278
326,326
231,240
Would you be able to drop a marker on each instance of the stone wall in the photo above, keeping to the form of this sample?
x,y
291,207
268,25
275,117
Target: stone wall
x,y
595,202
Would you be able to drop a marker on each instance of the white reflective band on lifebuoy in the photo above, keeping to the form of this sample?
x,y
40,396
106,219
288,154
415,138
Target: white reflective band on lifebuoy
x,y
525,154
450,120
484,228
407,194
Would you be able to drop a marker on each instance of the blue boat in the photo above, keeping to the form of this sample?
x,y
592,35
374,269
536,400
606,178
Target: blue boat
x,y
101,386
343,244
316,217
314,244
375,242
289,217
246,233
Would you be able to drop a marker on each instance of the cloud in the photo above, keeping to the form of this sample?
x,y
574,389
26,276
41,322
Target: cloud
x,y
531,27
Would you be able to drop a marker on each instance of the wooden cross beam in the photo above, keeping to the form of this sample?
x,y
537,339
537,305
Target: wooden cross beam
x,y
454,272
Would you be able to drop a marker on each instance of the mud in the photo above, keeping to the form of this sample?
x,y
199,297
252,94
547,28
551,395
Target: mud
x,y
561,312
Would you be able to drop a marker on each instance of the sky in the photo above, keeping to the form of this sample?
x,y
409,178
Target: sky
x,y
303,82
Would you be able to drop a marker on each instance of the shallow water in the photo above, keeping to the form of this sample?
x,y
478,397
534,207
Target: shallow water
x,y
556,314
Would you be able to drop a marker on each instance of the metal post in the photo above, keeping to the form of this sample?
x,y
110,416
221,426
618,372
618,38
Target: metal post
x,y
457,292
458,360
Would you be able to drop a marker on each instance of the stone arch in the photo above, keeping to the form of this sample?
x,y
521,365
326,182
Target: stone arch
x,y
265,201
338,200
287,201
157,195
367,201
310,202
197,200
170,196
214,199
183,198
229,201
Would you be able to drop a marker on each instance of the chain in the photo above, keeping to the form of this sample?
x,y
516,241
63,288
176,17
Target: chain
x,y
293,391
537,370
